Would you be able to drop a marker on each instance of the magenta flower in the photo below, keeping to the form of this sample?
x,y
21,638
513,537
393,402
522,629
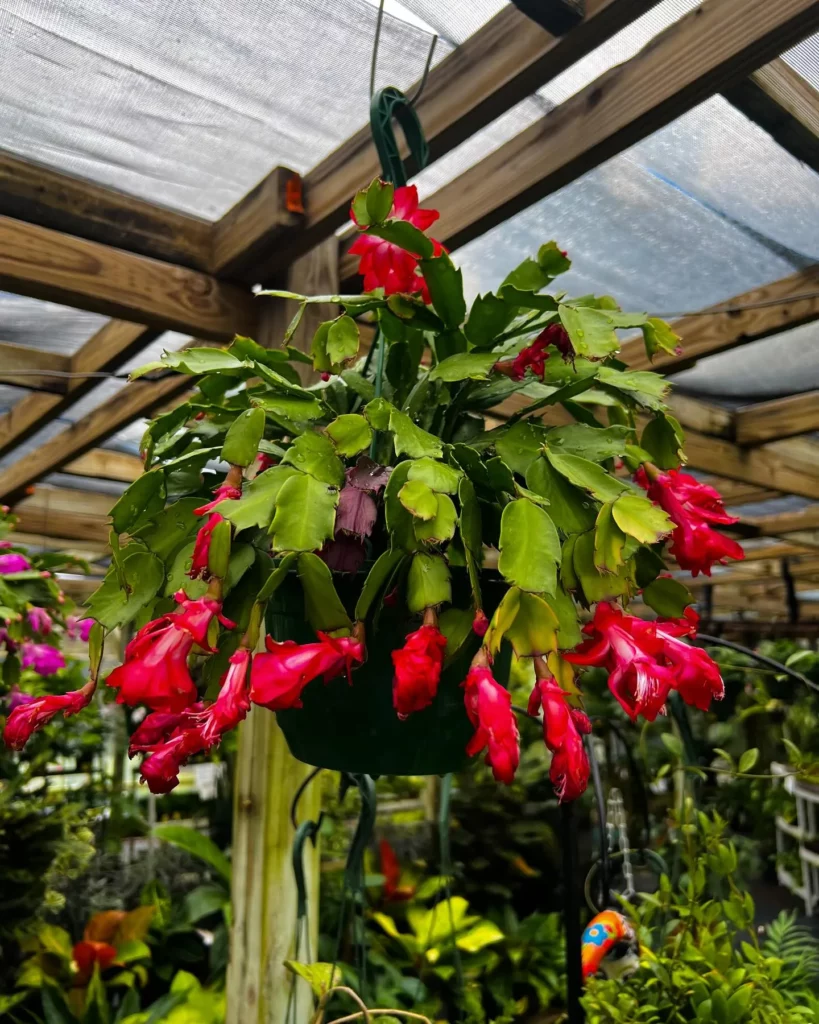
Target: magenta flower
x,y
39,620
16,698
43,658
12,562
77,628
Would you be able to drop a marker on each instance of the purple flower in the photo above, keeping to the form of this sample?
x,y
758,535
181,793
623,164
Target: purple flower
x,y
43,658
78,628
16,698
39,620
13,562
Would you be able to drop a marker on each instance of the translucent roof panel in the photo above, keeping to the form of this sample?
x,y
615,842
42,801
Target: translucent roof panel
x,y
804,58
45,325
705,209
190,104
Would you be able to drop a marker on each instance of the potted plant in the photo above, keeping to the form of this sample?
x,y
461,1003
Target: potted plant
x,y
395,548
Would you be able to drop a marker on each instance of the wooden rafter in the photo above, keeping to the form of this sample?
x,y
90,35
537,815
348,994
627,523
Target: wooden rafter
x,y
101,464
736,493
505,61
48,264
779,418
705,51
23,366
61,512
785,105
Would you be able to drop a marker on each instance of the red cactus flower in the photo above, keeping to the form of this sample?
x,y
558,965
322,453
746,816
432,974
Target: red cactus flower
x,y
563,730
693,507
480,623
388,266
160,770
534,356
697,676
86,954
232,703
155,671
158,726
201,548
227,492
489,707
394,892
418,668
28,717
278,677
632,653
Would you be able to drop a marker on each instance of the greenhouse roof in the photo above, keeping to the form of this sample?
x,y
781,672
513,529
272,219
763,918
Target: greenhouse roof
x,y
147,127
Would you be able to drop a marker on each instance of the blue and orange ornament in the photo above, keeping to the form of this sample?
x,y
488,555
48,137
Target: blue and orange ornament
x,y
608,937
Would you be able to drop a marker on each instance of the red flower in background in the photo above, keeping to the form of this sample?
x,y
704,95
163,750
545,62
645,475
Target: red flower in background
x,y
693,507
394,892
563,731
232,703
28,717
388,266
87,953
489,707
534,356
646,660
417,669
279,675
155,671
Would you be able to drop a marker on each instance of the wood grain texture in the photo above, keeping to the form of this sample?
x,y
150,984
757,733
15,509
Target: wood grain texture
x,y
706,335
92,550
708,49
780,418
102,464
502,63
735,493
61,512
788,522
41,195
135,400
47,264
29,361
785,105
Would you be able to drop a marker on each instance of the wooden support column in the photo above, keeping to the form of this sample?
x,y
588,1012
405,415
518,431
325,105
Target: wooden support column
x,y
268,776
264,890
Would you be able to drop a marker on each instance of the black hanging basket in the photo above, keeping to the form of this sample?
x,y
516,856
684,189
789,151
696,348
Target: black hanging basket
x,y
355,728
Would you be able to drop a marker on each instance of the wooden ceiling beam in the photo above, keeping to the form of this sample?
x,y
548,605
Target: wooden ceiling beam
x,y
785,105
735,493
51,265
501,64
27,367
783,523
705,51
32,192
103,464
780,418
73,546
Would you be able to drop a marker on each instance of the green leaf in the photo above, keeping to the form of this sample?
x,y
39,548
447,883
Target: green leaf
x,y
641,518
205,900
533,630
672,743
378,413
318,348
502,619
342,340
419,499
144,497
587,475
552,260
608,542
500,476
570,508
379,197
483,934
411,439
748,760
314,454
55,1008
143,574
377,579
593,443
663,439
529,546
590,330
527,276
400,522
668,597
437,475
289,408
405,236
305,514
568,630
242,441
488,317
196,361
456,626
320,977
465,366
470,519
169,530
442,525
645,388
258,501
322,605
659,337
446,289
361,214
219,550
276,578
428,582
192,841
356,382
521,299
521,445
350,433
596,586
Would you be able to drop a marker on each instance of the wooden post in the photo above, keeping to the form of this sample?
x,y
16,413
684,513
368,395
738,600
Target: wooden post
x,y
267,778
264,891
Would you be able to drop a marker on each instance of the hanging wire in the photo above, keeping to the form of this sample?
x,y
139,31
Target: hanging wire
x,y
374,59
770,662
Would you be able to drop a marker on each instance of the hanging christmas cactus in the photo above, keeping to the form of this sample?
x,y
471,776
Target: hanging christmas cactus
x,y
391,549
35,617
